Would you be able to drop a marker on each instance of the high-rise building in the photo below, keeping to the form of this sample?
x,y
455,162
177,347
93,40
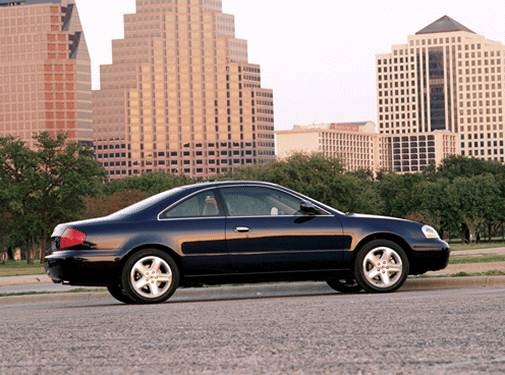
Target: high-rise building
x,y
356,144
446,78
180,95
45,76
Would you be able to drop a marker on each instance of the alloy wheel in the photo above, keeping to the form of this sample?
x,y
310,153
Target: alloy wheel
x,y
151,277
382,267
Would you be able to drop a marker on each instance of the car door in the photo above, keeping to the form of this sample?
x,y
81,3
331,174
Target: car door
x,y
195,228
266,232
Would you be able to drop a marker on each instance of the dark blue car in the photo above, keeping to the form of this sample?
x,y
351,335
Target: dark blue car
x,y
239,231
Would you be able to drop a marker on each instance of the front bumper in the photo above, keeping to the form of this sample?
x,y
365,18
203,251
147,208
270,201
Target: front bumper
x,y
83,267
429,255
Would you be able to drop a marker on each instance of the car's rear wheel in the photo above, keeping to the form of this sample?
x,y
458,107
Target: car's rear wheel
x,y
150,276
118,293
381,266
344,285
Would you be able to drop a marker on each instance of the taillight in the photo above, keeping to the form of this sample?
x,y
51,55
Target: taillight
x,y
71,238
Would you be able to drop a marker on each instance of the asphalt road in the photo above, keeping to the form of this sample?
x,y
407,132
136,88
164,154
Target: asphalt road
x,y
417,332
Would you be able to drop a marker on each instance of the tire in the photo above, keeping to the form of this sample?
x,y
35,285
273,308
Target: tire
x,y
150,276
381,266
344,285
117,292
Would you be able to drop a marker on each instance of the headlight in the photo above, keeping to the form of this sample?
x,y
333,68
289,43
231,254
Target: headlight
x,y
429,232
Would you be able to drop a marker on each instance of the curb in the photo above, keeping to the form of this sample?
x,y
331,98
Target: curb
x,y
251,291
39,279
454,282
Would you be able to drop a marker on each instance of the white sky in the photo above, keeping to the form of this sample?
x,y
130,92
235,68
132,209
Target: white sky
x,y
317,55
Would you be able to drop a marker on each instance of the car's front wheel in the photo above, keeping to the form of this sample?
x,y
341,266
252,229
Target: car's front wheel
x,y
381,266
150,276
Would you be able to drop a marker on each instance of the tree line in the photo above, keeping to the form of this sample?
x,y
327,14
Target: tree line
x,y
60,181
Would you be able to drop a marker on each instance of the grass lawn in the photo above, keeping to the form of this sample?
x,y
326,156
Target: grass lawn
x,y
12,268
477,259
475,246
486,273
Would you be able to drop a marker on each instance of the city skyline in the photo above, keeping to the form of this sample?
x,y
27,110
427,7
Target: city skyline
x,y
345,88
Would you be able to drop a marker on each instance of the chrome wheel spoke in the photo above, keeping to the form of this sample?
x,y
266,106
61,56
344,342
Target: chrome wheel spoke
x,y
372,273
155,265
140,283
393,267
386,280
386,255
140,268
165,278
372,259
153,288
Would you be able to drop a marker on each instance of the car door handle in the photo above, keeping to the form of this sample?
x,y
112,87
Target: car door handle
x,y
242,229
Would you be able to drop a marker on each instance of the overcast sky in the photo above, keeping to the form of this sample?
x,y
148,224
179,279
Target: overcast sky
x,y
317,55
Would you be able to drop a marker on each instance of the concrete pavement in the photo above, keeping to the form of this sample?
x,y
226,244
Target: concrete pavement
x,y
408,332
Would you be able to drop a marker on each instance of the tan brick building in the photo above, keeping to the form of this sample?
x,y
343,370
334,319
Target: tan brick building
x,y
360,147
446,78
181,96
356,145
45,75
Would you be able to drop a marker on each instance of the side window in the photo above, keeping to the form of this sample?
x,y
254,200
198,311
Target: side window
x,y
259,201
203,204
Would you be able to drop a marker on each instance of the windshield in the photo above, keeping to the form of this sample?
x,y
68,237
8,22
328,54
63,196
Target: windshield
x,y
146,203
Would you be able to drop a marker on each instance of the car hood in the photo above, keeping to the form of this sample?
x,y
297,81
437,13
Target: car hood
x,y
378,217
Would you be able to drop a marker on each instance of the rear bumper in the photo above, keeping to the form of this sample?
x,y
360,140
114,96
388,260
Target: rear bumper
x,y
431,255
86,268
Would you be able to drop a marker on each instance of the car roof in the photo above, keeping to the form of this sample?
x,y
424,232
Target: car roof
x,y
210,184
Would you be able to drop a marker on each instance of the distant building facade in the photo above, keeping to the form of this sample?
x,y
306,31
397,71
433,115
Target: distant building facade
x,y
180,96
45,75
359,146
356,145
414,152
445,79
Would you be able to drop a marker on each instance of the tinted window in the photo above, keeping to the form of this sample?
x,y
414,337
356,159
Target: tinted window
x,y
203,204
145,204
257,201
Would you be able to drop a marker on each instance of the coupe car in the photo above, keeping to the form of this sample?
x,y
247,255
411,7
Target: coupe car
x,y
239,231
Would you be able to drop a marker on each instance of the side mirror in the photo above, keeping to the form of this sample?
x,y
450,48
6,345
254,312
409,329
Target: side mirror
x,y
308,208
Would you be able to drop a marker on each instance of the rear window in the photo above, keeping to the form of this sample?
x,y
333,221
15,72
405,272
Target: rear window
x,y
144,204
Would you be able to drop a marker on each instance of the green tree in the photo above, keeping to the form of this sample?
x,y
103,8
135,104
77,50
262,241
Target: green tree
x,y
66,174
438,205
17,175
104,205
461,166
44,186
478,199
399,193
